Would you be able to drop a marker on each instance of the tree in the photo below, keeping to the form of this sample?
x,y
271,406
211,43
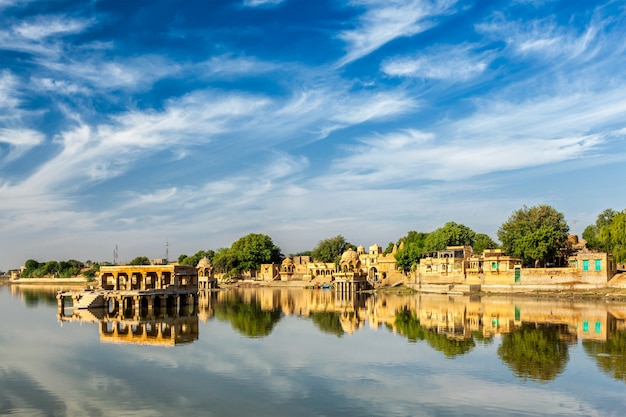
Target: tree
x,y
451,234
608,234
194,259
253,250
331,249
535,234
410,250
225,261
483,242
140,260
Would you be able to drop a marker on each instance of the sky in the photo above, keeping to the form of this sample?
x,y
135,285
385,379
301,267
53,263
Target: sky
x,y
161,126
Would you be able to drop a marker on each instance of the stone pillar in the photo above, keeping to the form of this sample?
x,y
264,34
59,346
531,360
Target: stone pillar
x,y
142,282
116,284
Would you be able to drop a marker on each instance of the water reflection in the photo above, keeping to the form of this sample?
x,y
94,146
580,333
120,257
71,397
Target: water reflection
x,y
167,327
532,337
534,334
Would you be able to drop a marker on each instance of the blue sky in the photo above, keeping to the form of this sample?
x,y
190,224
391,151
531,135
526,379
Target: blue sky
x,y
198,122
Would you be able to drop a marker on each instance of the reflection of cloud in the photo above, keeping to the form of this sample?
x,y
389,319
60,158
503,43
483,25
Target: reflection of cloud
x,y
21,394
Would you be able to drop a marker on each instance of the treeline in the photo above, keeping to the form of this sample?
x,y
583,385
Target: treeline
x,y
538,235
62,269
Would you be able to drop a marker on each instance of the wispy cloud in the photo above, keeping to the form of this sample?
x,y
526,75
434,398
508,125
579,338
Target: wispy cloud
x,y
386,20
47,26
40,35
262,3
451,63
19,141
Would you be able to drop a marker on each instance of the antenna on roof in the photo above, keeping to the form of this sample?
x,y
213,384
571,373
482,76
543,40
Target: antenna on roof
x,y
115,255
167,252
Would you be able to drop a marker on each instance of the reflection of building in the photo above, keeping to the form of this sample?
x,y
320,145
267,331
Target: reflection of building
x,y
167,328
165,331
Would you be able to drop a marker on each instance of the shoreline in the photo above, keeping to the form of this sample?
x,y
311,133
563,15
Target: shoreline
x,y
599,293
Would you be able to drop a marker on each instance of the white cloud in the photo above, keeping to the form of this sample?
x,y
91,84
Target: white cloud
x,y
500,136
545,38
47,26
226,65
106,74
386,20
20,141
262,3
453,63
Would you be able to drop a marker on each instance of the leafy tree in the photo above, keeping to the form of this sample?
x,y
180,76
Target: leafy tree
x,y
31,264
535,234
483,242
253,250
193,260
181,258
331,249
140,260
451,234
412,247
225,261
608,234
535,352
389,248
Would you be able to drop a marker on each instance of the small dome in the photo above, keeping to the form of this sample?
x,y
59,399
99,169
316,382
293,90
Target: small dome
x,y
204,263
349,256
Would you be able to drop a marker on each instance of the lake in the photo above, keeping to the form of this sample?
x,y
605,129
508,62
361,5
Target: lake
x,y
282,352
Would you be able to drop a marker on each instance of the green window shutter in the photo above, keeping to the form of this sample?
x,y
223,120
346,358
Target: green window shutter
x,y
585,264
598,265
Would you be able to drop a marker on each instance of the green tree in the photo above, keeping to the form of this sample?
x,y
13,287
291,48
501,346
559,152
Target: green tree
x,y
225,261
140,260
608,234
483,242
331,249
194,259
389,248
253,250
535,352
451,234
410,250
535,234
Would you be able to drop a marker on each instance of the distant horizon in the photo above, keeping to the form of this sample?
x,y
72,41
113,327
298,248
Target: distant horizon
x,y
136,123
173,257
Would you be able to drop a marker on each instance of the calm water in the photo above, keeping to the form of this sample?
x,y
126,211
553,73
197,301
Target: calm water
x,y
274,352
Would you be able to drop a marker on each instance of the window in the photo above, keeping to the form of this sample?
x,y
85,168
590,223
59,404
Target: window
x,y
598,264
494,265
585,264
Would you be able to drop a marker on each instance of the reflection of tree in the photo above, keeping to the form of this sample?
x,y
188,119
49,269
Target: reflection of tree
x,y
328,322
610,355
480,337
409,325
247,318
535,352
33,298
